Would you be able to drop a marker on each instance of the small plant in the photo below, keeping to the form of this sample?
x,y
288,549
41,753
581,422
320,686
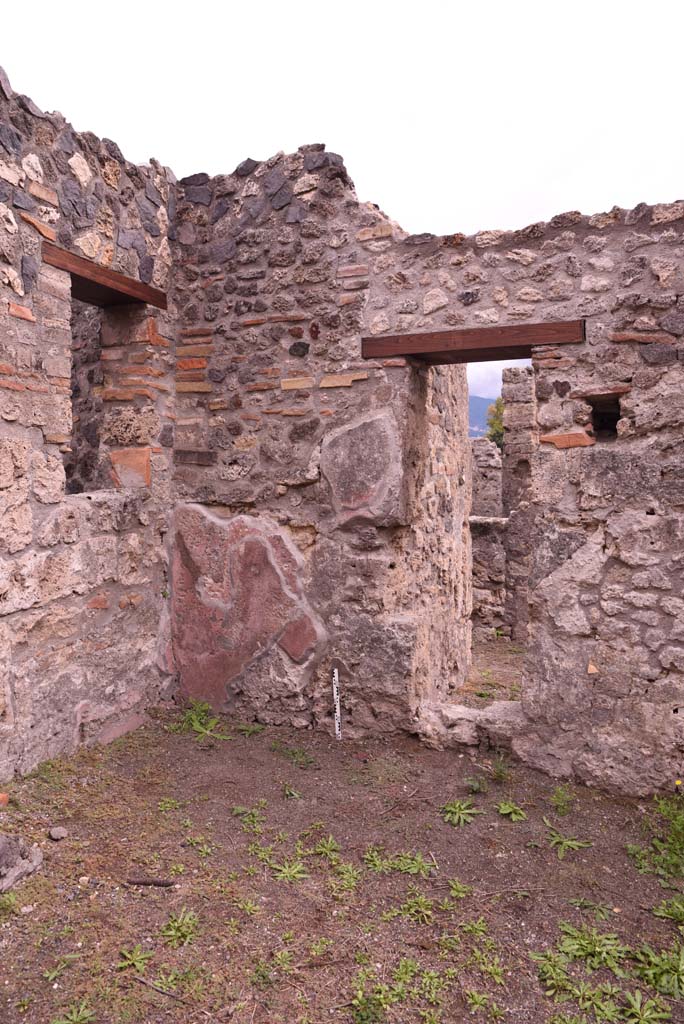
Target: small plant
x,y
664,856
411,864
249,729
489,965
261,976
672,909
199,843
252,818
54,972
562,800
663,971
177,869
367,1009
476,927
508,809
553,974
290,871
283,961
417,907
346,880
167,803
597,949
459,891
247,906
561,844
639,1010
501,771
477,784
327,848
375,860
459,812
135,958
296,755
78,1013
181,929
320,946
476,1000
289,793
198,719
8,905
600,911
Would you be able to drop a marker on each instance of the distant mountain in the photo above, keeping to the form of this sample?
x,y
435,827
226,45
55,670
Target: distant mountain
x,y
478,415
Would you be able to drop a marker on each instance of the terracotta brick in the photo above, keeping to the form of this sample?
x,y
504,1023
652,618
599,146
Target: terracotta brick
x,y
353,270
342,380
191,364
6,368
46,195
219,403
131,467
147,384
143,371
194,350
576,439
643,337
20,312
261,385
12,385
190,375
193,332
202,386
294,383
43,229
118,395
255,321
287,412
99,601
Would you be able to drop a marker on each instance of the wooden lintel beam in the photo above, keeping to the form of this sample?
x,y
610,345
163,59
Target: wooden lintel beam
x,y
98,285
474,344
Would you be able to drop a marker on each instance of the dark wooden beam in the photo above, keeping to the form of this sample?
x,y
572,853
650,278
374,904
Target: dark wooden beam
x,y
98,285
474,344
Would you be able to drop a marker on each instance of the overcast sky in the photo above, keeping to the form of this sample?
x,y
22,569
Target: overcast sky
x,y
451,116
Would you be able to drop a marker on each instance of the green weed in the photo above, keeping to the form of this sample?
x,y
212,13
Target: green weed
x,y
459,812
562,844
135,958
78,1013
562,800
509,809
290,871
181,929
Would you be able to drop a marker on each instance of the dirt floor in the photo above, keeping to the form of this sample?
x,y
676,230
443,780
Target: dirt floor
x,y
495,673
311,881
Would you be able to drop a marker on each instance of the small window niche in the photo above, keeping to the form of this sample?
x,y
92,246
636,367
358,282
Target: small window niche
x,y
605,413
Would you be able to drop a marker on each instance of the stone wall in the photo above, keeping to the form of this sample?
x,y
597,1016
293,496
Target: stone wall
x,y
315,507
521,439
488,533
605,670
81,576
336,490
